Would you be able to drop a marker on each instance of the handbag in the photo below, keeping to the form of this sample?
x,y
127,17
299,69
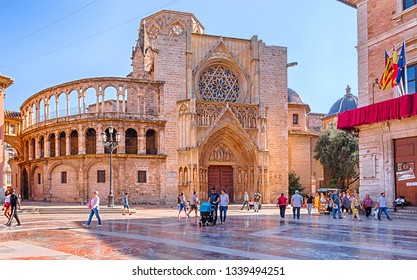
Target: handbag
x,y
89,204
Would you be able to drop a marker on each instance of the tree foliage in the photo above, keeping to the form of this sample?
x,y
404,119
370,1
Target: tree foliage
x,y
338,152
294,183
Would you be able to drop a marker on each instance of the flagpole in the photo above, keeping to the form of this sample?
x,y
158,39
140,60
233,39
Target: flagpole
x,y
405,69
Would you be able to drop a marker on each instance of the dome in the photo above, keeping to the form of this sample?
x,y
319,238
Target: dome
x,y
293,97
346,103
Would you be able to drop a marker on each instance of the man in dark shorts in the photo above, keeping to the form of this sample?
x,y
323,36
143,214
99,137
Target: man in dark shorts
x,y
193,204
214,199
14,205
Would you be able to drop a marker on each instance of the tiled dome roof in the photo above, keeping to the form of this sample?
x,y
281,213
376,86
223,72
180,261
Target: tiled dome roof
x,y
293,97
346,103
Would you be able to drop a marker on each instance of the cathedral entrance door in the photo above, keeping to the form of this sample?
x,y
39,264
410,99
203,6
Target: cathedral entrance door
x,y
405,169
221,177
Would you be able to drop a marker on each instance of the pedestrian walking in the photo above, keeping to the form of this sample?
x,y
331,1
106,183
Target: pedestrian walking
x,y
355,206
14,206
224,202
6,205
309,203
345,205
126,204
382,206
193,204
182,206
335,201
94,205
367,204
296,202
245,201
282,204
257,201
214,199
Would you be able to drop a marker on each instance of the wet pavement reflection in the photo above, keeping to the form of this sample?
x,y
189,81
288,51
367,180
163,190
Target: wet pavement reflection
x,y
156,234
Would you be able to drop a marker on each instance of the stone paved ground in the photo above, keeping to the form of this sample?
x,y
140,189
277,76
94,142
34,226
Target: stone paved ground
x,y
156,234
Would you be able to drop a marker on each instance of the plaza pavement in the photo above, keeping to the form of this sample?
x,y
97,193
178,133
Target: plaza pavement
x,y
154,233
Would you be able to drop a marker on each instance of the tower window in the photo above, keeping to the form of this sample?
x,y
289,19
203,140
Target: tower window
x,y
295,119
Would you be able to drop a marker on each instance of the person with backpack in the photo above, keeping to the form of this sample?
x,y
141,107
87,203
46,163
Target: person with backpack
x,y
14,206
182,205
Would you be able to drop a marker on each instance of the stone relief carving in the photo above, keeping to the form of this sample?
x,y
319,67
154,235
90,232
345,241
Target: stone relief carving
x,y
221,153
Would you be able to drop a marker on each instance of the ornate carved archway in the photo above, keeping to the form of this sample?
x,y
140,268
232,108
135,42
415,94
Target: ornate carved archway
x,y
227,144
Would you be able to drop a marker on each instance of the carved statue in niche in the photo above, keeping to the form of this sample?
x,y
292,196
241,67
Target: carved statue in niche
x,y
149,50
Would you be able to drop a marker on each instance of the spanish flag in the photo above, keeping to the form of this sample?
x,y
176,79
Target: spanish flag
x,y
387,76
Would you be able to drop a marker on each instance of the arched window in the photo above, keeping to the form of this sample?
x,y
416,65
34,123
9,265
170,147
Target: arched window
x,y
151,147
27,150
52,145
42,147
90,141
62,144
74,142
33,148
295,119
131,141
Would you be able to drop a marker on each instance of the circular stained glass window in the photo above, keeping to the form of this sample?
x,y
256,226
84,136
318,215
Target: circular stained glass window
x,y
218,84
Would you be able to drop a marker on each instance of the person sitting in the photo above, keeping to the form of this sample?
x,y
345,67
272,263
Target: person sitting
x,y
399,202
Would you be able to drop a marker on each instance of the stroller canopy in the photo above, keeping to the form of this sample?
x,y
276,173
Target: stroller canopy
x,y
205,207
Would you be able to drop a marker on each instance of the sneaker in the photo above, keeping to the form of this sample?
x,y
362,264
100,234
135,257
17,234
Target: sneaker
x,y
86,225
379,219
123,214
19,225
130,213
390,219
98,225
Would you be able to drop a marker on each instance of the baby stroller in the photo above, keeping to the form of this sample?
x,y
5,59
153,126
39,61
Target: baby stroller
x,y
207,214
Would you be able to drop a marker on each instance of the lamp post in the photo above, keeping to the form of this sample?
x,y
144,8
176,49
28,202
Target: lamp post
x,y
110,143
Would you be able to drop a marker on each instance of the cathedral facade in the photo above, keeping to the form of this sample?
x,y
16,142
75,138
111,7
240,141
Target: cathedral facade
x,y
197,111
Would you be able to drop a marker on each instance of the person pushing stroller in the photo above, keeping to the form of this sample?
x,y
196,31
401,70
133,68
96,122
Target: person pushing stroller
x,y
214,199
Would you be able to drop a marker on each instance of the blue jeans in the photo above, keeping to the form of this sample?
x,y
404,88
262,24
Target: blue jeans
x,y
339,213
385,210
309,206
223,211
94,211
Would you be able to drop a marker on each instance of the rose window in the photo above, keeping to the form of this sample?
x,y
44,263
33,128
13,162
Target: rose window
x,y
218,84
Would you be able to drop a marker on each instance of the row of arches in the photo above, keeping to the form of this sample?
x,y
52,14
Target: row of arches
x,y
97,95
88,142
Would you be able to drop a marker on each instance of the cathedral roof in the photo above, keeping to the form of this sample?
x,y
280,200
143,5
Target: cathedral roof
x,y
11,114
346,103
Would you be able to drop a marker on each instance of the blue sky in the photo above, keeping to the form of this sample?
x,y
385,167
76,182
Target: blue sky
x,y
47,42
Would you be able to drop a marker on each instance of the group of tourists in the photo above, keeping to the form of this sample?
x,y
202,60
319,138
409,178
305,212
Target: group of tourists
x,y
220,202
340,205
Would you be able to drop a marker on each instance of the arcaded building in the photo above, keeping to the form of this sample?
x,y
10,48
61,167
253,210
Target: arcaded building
x,y
386,122
197,111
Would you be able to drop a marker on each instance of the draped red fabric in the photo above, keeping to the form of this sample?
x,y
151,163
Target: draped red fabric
x,y
401,107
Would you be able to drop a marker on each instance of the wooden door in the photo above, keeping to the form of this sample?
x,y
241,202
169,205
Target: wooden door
x,y
405,164
221,177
